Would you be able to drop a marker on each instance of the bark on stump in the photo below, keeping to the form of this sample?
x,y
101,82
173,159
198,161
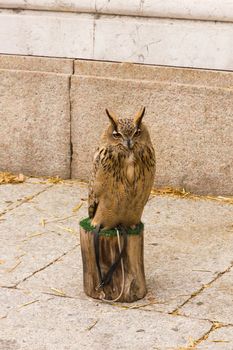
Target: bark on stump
x,y
133,259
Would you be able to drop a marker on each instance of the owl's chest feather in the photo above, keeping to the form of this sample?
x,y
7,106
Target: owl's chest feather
x,y
130,167
126,167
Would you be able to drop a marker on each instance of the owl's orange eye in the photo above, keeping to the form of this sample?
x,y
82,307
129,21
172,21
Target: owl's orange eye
x,y
137,132
116,134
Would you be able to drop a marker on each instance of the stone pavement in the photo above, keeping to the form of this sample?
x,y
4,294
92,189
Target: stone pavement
x,y
188,262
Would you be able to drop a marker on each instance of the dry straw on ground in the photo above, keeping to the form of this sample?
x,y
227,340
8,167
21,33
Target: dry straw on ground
x,y
55,180
174,192
8,178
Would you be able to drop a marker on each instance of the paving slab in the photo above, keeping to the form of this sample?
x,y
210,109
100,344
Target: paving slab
x,y
215,302
62,323
53,277
220,339
33,235
14,299
187,243
13,195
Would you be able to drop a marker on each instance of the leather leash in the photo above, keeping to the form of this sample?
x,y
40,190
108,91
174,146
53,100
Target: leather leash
x,y
106,279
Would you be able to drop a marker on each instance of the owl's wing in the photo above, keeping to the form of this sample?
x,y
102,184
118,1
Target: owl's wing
x,y
92,205
94,185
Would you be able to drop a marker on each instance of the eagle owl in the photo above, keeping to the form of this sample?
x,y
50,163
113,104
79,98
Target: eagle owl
x,y
123,173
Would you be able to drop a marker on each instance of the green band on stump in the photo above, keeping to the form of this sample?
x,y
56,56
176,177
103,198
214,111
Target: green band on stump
x,y
86,225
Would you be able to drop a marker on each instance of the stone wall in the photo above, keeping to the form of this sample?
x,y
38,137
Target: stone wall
x,y
35,115
52,115
181,33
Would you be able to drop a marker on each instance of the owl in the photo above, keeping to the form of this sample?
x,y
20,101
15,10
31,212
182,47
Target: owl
x,y
123,173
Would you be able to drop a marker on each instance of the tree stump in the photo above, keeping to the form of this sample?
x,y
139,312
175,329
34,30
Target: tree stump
x,y
132,285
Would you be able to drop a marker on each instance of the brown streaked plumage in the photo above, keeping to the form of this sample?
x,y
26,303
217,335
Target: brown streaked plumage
x,y
123,173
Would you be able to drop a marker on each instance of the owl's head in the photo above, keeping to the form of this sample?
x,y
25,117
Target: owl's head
x,y
127,132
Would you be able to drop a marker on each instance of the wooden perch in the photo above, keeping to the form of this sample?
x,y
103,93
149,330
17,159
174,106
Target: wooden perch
x,y
125,287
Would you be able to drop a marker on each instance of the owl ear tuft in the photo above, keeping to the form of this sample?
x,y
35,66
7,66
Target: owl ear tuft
x,y
113,118
138,117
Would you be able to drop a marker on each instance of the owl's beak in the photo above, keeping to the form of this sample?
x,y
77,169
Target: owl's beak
x,y
130,143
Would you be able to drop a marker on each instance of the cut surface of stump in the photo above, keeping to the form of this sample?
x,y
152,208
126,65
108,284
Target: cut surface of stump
x,y
130,285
